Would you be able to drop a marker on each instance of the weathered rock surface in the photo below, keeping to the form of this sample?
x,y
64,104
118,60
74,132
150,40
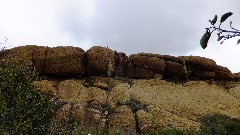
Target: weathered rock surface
x,y
182,106
121,92
200,63
29,53
72,91
138,73
65,61
168,104
98,59
47,86
163,104
203,74
152,63
122,121
235,91
223,73
174,69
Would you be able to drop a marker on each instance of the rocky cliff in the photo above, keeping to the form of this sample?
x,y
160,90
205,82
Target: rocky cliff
x,y
75,62
132,94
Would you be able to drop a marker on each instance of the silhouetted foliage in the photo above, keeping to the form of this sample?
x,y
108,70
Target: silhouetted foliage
x,y
221,33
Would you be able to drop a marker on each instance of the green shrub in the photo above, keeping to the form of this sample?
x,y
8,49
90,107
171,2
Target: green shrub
x,y
23,108
173,131
219,124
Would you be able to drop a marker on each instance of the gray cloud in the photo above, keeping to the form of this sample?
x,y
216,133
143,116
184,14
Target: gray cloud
x,y
165,27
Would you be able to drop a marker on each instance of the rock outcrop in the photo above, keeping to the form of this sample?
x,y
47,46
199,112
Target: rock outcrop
x,y
142,105
106,89
101,61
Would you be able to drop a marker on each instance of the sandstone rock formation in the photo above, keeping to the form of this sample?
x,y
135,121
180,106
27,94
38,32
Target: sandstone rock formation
x,y
82,84
166,104
101,61
97,60
65,61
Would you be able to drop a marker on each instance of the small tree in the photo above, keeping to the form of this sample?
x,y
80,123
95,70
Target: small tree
x,y
221,33
23,108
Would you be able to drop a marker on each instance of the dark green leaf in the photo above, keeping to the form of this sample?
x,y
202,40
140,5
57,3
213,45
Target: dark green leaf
x,y
225,16
238,41
214,20
204,39
220,38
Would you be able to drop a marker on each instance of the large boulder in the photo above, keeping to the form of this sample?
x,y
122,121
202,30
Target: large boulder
x,y
72,91
65,61
27,54
152,63
47,86
100,60
223,73
138,73
120,92
174,69
200,63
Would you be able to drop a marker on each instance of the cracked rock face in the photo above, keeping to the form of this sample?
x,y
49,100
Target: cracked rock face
x,y
123,121
167,104
128,105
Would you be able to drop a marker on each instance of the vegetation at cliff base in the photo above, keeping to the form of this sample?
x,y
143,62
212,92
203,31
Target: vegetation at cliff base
x,y
23,108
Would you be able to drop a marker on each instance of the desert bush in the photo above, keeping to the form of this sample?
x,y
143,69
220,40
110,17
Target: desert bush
x,y
173,131
23,108
219,124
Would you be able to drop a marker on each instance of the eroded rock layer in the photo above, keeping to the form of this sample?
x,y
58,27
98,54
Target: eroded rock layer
x,y
100,61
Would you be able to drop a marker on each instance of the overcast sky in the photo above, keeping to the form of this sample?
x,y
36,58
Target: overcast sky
x,y
171,27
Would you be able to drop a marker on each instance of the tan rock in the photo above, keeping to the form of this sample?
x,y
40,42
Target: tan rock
x,y
95,117
235,91
152,63
174,69
122,121
181,106
96,97
203,74
198,62
33,53
65,61
46,86
139,73
223,73
94,114
97,61
72,91
100,82
164,57
145,120
119,93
